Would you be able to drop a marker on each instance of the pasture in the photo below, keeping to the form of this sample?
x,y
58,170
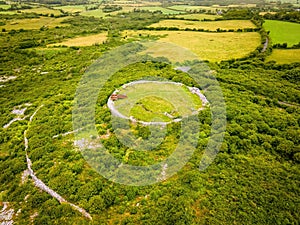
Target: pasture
x,y
192,8
148,101
3,6
285,56
36,23
206,25
41,10
198,16
83,40
207,46
96,13
283,32
71,8
163,10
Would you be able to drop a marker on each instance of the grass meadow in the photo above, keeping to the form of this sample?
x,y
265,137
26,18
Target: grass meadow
x,y
83,41
41,10
214,47
163,10
36,23
151,100
197,16
283,32
285,56
208,25
72,8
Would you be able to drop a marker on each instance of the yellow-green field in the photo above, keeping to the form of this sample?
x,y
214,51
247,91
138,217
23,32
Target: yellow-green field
x,y
212,8
163,10
206,25
2,6
41,10
198,16
192,8
96,13
72,8
36,23
84,41
285,56
207,46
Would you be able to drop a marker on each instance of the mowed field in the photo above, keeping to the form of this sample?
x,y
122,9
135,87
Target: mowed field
x,y
36,23
283,32
163,10
285,56
197,16
72,8
191,8
206,25
3,6
83,41
41,10
207,46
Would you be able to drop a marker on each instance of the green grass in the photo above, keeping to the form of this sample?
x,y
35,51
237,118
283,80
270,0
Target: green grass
x,y
42,10
285,56
72,8
283,32
207,46
96,13
210,25
83,40
198,16
36,23
2,6
148,101
163,10
191,8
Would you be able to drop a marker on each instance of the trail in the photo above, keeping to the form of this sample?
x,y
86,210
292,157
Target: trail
x,y
40,184
265,45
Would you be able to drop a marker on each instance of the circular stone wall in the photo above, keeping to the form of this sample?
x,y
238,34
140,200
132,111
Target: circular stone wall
x,y
156,102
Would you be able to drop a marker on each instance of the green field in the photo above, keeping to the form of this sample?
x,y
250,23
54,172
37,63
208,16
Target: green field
x,y
207,46
96,13
211,25
191,8
148,101
285,56
83,41
2,6
71,8
283,32
36,23
163,10
42,10
198,16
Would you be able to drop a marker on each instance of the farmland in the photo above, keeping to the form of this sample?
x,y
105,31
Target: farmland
x,y
211,25
36,23
283,32
198,16
163,10
84,40
42,10
285,56
243,146
71,8
208,46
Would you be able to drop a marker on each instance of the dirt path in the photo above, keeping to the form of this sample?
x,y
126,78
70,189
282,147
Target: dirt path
x,y
265,45
40,184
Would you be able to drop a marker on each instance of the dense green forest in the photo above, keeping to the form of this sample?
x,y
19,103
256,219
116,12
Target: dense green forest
x,y
254,179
